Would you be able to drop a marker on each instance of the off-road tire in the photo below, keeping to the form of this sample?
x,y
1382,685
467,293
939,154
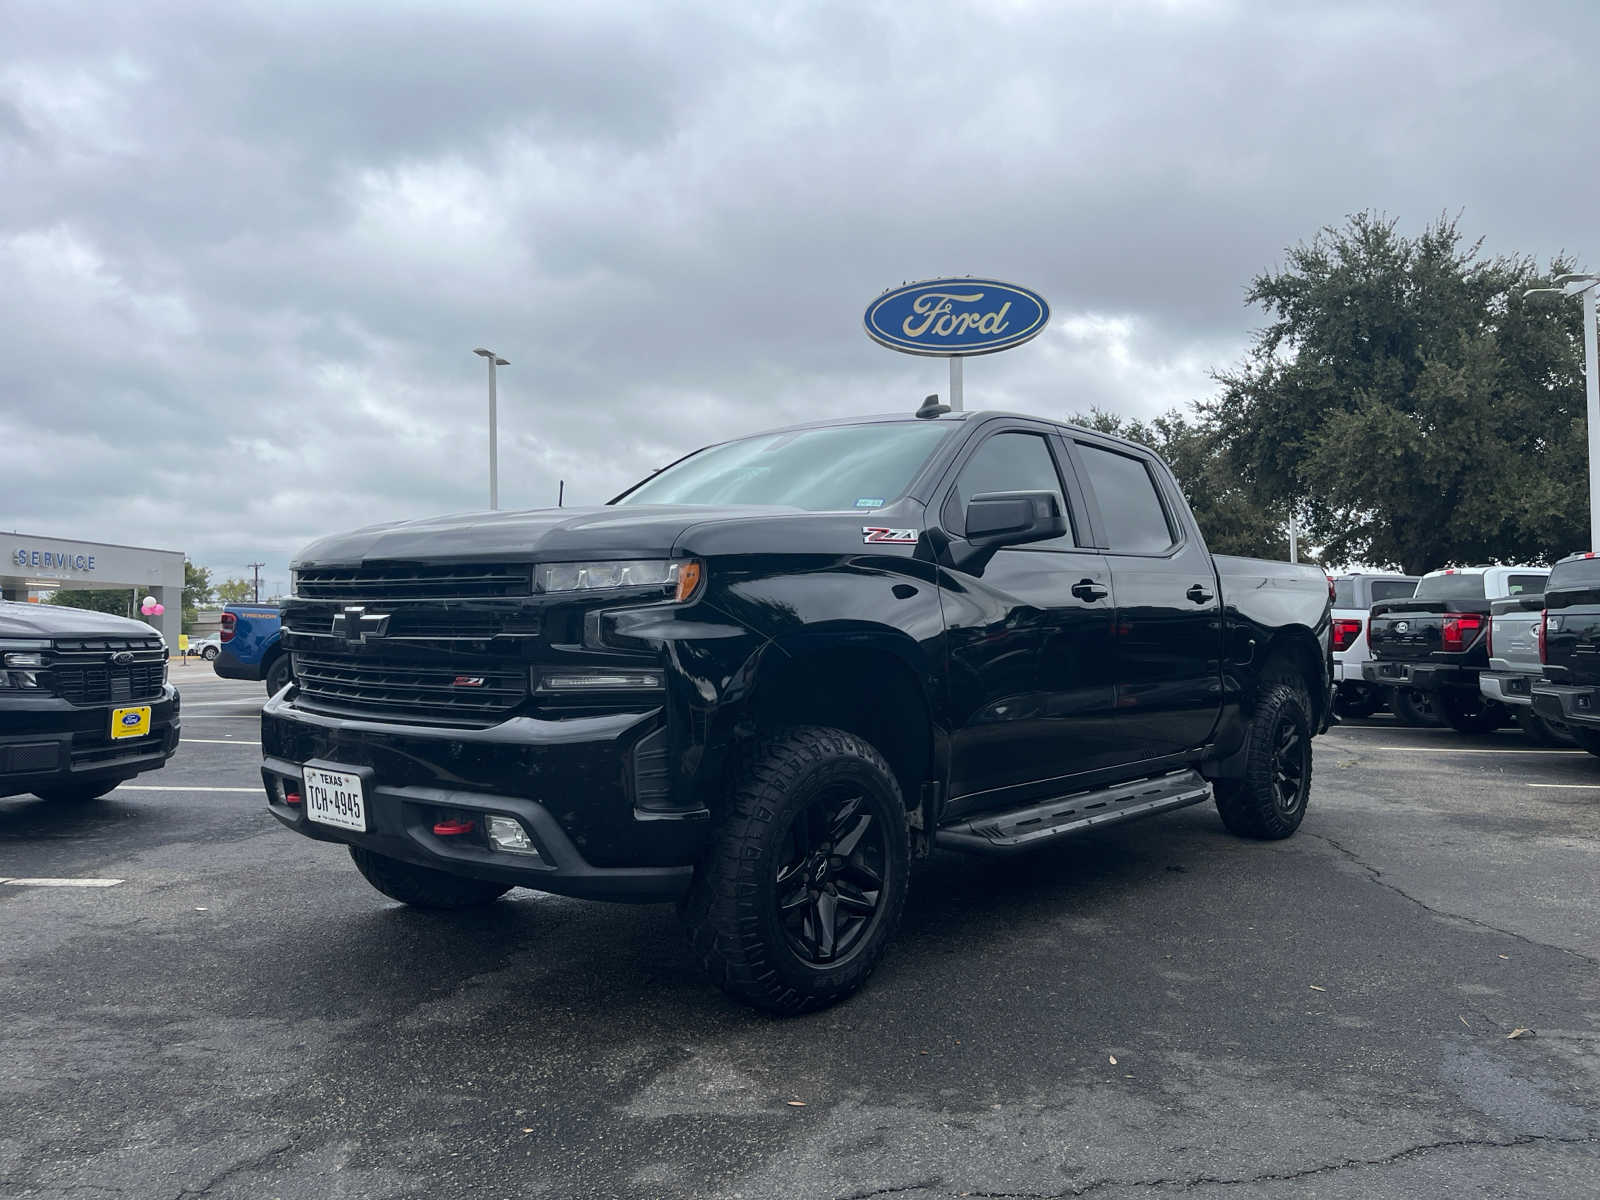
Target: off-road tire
x,y
1250,806
1470,712
731,912
1542,732
423,887
279,674
77,793
1413,707
1589,739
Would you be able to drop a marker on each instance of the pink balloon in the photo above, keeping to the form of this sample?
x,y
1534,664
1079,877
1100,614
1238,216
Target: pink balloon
x,y
159,609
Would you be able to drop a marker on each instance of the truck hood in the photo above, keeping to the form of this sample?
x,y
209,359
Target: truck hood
x,y
49,620
617,531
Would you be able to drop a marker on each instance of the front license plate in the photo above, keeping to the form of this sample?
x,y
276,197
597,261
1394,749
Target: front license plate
x,y
335,798
130,722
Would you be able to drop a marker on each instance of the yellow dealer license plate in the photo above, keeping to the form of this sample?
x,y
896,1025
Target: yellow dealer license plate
x,y
130,722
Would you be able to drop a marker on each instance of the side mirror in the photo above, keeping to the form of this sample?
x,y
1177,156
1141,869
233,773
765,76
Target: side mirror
x,y
998,519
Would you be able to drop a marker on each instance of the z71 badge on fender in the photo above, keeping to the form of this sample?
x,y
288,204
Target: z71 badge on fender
x,y
878,533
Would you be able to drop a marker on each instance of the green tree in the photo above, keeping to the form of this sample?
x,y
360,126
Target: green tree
x,y
196,590
1407,394
1227,511
116,601
234,591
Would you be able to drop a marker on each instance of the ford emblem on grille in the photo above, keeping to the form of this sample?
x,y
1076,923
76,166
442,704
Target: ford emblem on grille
x,y
122,657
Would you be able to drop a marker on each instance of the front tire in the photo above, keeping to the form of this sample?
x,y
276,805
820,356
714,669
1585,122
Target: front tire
x,y
1589,739
805,881
77,793
423,887
1542,732
1269,802
210,653
1470,712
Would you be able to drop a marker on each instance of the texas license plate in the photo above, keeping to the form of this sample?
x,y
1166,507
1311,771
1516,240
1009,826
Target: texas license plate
x,y
335,798
130,722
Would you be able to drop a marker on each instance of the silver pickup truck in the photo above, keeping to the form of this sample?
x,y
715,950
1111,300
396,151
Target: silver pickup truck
x,y
1514,666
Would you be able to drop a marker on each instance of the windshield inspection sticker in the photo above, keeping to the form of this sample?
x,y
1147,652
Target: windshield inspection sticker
x,y
869,502
877,533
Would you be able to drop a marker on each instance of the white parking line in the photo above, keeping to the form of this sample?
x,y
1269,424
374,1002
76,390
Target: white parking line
x,y
221,741
151,787
1581,787
1447,750
223,703
91,883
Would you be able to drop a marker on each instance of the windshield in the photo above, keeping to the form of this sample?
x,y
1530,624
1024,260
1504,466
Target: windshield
x,y
837,467
1451,587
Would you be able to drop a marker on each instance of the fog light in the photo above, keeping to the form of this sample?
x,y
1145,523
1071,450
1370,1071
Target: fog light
x,y
604,679
507,833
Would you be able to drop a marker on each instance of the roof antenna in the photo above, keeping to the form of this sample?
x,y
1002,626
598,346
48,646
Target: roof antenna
x,y
932,408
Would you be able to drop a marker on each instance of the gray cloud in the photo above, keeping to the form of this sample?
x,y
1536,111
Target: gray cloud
x,y
247,251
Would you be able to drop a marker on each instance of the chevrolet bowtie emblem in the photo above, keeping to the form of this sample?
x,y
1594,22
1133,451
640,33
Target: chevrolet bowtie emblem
x,y
356,624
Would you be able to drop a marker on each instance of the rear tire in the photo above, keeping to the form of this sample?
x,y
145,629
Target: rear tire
x,y
1542,732
423,887
278,675
805,881
1413,707
1470,712
1356,700
1269,802
76,793
209,653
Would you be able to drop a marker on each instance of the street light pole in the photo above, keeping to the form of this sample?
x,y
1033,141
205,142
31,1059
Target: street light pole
x,y
494,448
1585,285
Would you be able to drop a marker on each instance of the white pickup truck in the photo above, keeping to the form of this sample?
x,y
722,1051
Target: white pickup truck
x,y
1353,597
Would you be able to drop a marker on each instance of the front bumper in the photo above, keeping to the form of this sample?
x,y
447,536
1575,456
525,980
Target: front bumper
x,y
1578,706
569,782
49,743
1508,688
1425,677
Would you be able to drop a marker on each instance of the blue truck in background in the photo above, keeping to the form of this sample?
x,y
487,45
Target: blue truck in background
x,y
252,646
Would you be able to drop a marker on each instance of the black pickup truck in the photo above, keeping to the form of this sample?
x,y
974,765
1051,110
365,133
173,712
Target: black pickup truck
x,y
1437,642
1569,647
765,679
84,702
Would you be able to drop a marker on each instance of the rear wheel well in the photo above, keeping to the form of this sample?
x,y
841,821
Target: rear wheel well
x,y
870,693
1293,654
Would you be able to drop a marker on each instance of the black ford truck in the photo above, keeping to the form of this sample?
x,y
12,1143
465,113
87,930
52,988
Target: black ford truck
x,y
84,702
765,679
1569,647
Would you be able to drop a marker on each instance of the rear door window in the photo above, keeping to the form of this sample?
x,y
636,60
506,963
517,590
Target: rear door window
x,y
1133,518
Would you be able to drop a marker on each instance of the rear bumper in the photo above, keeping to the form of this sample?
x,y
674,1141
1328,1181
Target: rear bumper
x,y
229,667
1425,677
1507,687
49,743
1562,702
569,782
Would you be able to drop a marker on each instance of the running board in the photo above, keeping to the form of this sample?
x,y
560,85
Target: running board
x,y
1000,833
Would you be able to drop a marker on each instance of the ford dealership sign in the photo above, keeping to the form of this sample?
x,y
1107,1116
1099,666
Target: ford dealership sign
x,y
950,317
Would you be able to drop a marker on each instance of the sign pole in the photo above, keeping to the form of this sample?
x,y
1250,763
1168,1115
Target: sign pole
x,y
955,383
1591,371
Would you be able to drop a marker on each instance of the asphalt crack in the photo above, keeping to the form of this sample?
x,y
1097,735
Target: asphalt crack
x,y
923,1186
1377,878
248,1164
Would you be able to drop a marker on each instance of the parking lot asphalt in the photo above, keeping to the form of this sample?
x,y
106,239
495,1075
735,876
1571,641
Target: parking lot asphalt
x,y
1159,1008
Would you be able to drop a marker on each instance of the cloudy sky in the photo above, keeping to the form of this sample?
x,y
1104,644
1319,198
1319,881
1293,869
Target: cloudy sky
x,y
246,250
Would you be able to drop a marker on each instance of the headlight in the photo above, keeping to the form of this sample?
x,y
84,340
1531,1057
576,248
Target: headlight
x,y
27,657
677,578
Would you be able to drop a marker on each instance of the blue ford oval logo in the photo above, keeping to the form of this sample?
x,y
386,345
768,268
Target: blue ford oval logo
x,y
131,718
956,317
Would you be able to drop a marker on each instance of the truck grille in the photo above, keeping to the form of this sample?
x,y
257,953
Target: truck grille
x,y
455,581
81,670
458,692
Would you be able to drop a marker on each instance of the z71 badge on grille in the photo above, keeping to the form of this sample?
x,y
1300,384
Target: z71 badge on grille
x,y
879,533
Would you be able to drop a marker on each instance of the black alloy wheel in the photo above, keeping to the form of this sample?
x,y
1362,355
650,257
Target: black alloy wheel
x,y
829,878
1291,763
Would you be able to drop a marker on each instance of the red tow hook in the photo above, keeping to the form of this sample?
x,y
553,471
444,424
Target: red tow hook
x,y
292,798
453,827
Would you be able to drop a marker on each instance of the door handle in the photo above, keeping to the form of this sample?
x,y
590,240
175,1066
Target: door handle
x,y
1198,594
1088,589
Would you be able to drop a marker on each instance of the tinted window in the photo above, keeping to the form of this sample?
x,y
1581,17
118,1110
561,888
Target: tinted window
x,y
1524,585
1451,587
1392,589
1344,593
838,467
1009,462
1579,573
1130,507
